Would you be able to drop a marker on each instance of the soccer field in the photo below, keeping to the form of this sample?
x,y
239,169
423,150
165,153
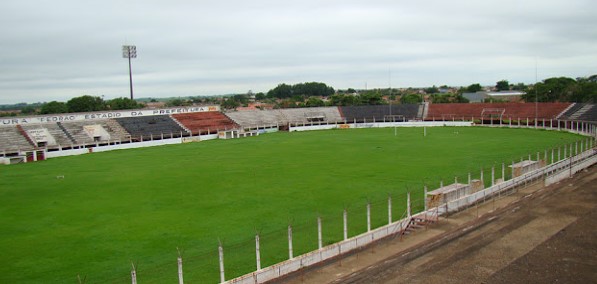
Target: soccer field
x,y
140,205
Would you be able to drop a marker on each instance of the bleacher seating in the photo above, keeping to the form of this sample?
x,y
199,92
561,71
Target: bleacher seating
x,y
584,112
151,127
53,129
380,113
205,122
310,115
12,140
76,130
511,110
257,118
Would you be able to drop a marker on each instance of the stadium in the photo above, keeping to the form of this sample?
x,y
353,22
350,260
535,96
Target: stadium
x,y
248,210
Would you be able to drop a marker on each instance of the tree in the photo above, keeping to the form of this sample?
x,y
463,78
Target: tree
x,y
229,103
85,103
502,85
123,103
411,99
432,90
314,102
474,88
28,110
280,92
260,96
54,107
177,102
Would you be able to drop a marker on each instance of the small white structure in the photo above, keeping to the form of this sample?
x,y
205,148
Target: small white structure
x,y
231,134
526,166
446,194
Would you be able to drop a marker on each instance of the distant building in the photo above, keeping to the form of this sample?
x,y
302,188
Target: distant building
x,y
477,97
486,96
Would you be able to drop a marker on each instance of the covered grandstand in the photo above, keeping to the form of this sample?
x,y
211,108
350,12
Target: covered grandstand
x,y
72,131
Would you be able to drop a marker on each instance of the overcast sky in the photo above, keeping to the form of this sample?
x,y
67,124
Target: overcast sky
x,y
60,49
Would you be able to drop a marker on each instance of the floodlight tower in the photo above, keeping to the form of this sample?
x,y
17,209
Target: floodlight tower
x,y
130,51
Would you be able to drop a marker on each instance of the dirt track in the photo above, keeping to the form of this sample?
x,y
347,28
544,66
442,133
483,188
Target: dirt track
x,y
536,235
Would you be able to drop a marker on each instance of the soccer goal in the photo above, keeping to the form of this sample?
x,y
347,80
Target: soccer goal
x,y
492,114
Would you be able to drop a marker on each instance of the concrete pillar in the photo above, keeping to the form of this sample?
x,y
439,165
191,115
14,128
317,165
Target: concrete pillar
x,y
290,254
133,275
257,252
221,259
368,217
319,234
180,279
408,208
345,217
425,197
389,210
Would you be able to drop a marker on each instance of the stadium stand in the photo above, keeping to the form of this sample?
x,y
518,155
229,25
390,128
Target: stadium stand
x,y
257,118
311,115
510,110
151,127
12,138
89,132
381,113
584,112
205,122
58,136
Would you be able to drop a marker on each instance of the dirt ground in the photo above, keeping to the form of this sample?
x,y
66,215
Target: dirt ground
x,y
534,235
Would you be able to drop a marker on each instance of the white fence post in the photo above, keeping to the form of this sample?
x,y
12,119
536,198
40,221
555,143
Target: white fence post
x,y
133,274
257,253
345,219
408,209
180,279
425,196
221,258
290,254
492,175
469,178
503,172
319,233
368,217
389,209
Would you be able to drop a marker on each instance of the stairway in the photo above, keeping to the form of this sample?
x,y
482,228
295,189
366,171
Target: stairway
x,y
417,223
70,137
581,111
26,135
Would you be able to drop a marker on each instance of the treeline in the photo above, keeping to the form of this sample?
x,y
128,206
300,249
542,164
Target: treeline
x,y
78,104
564,89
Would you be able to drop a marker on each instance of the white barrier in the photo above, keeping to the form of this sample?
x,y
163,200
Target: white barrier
x,y
80,151
309,127
553,172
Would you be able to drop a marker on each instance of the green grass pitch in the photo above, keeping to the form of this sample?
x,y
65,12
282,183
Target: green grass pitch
x,y
140,205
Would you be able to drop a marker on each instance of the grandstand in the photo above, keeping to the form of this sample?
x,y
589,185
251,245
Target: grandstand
x,y
311,115
28,134
151,127
381,113
200,123
254,119
12,139
583,112
511,111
